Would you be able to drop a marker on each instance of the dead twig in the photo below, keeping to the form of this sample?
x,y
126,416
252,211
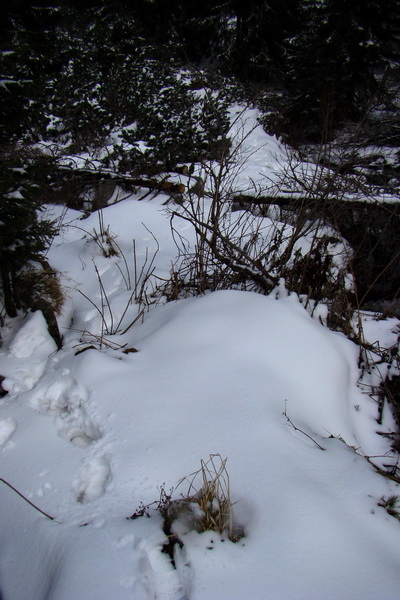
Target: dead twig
x,y
289,420
28,501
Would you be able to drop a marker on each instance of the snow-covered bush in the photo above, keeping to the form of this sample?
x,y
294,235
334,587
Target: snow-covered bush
x,y
245,246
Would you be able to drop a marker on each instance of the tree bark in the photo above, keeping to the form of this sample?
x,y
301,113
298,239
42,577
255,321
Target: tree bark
x,y
9,303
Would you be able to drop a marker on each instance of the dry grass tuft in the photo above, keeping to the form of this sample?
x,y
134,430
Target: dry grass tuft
x,y
39,282
208,498
206,506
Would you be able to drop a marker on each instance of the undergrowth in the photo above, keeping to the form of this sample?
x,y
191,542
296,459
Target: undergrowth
x,y
206,505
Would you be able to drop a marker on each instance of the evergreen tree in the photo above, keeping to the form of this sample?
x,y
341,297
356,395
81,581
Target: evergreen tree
x,y
261,28
338,62
23,235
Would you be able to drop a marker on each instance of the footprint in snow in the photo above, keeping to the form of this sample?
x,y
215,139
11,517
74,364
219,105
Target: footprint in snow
x,y
93,480
160,579
78,429
67,398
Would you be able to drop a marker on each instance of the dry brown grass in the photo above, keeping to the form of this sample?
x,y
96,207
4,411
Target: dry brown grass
x,y
208,499
38,281
205,506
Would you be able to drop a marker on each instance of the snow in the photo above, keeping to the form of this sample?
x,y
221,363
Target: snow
x,y
7,428
89,434
25,361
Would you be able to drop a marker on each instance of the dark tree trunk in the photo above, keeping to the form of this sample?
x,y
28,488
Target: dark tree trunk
x,y
9,303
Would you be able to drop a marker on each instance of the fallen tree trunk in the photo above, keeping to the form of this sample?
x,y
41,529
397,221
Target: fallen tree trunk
x,y
72,186
372,229
163,185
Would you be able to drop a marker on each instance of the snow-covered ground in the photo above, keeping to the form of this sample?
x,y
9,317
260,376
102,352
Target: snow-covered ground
x,y
91,433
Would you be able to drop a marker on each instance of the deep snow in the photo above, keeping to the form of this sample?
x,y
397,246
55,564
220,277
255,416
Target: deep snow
x,y
90,436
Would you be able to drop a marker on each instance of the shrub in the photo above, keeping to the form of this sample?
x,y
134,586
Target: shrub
x,y
23,235
205,506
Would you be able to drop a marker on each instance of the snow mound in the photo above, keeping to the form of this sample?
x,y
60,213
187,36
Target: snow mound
x,y
102,431
25,361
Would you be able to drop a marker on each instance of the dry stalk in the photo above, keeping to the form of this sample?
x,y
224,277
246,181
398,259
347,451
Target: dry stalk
x,y
210,501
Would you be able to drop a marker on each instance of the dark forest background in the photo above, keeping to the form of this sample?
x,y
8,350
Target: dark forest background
x,y
327,61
